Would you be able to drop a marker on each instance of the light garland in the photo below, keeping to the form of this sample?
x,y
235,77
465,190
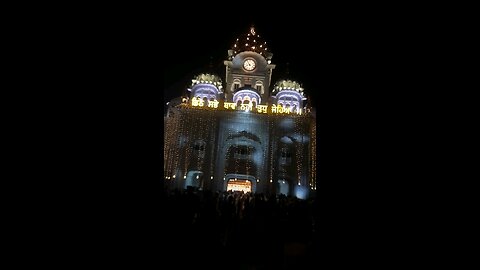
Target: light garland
x,y
313,156
194,125
186,127
272,143
213,134
298,147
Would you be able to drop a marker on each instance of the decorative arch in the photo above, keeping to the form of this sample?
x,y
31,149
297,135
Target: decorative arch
x,y
236,84
244,177
203,90
246,93
283,187
259,87
194,179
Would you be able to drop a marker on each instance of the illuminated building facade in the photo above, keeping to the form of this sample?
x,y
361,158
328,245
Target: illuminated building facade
x,y
243,133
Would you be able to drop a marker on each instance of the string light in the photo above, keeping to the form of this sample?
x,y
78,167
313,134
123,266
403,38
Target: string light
x,y
298,148
272,142
212,135
313,157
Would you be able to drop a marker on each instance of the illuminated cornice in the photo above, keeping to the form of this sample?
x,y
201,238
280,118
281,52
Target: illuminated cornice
x,y
206,78
290,93
288,85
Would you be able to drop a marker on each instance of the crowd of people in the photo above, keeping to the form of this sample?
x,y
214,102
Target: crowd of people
x,y
241,229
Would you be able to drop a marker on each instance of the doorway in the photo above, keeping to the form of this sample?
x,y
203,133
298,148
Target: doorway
x,y
239,185
282,187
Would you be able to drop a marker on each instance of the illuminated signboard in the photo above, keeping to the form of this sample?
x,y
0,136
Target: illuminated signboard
x,y
277,109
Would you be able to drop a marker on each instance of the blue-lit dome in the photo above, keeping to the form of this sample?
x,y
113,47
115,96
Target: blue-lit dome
x,y
289,94
206,86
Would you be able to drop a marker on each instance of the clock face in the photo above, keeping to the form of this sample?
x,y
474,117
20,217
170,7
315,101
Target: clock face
x,y
249,64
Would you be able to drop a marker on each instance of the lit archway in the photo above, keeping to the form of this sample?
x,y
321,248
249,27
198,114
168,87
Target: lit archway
x,y
247,183
194,179
282,187
239,185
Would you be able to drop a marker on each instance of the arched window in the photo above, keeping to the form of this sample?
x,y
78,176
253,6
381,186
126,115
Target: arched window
x,y
243,152
259,87
236,84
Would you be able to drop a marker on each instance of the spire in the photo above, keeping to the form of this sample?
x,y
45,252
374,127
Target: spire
x,y
250,41
210,65
287,69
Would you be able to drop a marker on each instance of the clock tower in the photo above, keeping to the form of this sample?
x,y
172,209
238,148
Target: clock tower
x,y
249,68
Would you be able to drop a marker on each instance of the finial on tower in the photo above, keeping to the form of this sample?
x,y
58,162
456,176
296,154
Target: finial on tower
x,y
211,62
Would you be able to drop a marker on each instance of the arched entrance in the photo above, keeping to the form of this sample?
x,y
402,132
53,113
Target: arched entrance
x,y
240,182
282,187
194,179
239,185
